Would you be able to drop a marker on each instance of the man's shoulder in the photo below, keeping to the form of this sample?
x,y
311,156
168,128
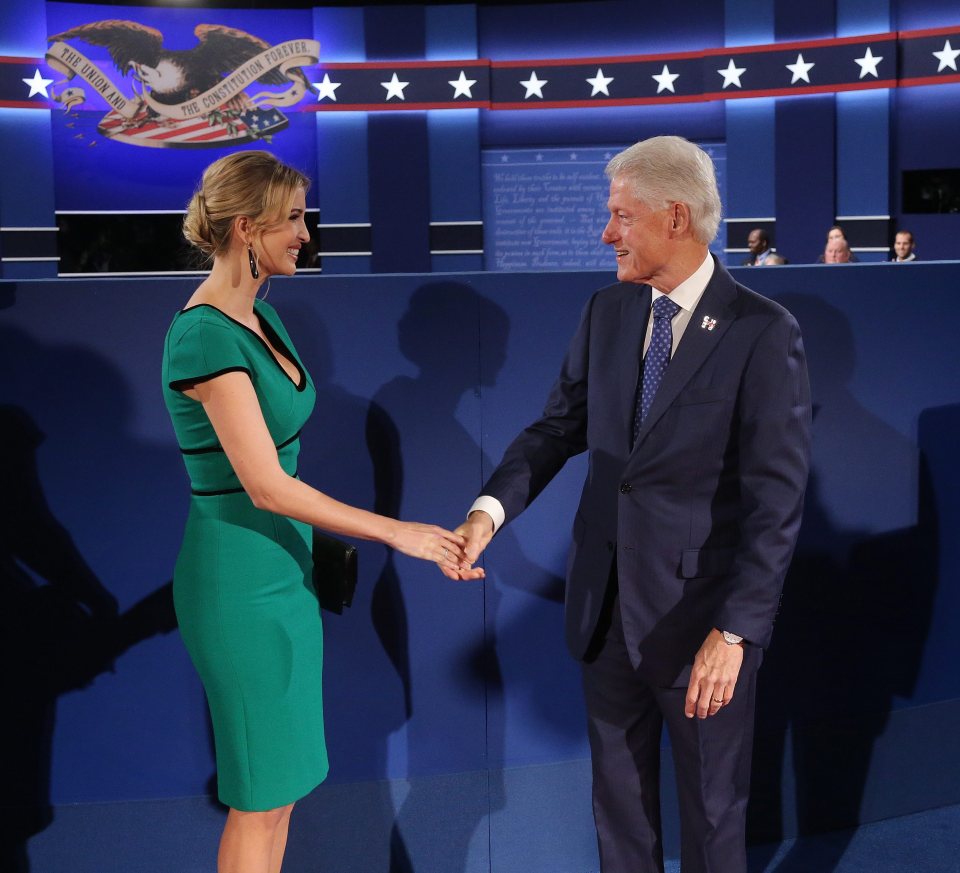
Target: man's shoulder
x,y
619,290
613,295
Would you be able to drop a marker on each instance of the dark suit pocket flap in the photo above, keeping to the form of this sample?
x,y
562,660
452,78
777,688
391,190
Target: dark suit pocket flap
x,y
696,563
699,395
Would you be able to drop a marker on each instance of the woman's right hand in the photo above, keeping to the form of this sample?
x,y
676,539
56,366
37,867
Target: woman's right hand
x,y
430,543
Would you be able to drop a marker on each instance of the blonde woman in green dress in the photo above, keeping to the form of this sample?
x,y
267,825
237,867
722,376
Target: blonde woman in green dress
x,y
238,396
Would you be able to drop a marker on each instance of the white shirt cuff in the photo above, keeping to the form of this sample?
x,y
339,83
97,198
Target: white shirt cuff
x,y
492,507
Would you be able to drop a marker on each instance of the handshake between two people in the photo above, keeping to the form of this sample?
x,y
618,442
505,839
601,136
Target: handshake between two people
x,y
476,532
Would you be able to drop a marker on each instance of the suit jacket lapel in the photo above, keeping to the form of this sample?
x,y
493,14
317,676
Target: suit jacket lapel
x,y
708,323
634,314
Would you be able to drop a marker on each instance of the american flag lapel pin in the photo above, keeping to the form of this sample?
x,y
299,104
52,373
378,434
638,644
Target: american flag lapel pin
x,y
708,323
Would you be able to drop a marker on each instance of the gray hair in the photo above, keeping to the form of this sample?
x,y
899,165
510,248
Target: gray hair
x,y
669,169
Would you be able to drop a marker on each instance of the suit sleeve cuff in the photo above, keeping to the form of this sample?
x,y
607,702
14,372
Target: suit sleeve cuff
x,y
492,507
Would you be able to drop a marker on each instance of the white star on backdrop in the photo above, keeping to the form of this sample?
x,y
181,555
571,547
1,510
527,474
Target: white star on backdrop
x,y
599,83
665,79
868,64
326,88
461,87
947,58
395,87
38,85
732,73
533,85
801,70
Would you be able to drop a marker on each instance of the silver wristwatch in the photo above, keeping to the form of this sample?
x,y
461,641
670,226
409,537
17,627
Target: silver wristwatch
x,y
731,639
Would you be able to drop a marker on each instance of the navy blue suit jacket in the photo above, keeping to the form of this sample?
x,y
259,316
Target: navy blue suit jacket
x,y
702,513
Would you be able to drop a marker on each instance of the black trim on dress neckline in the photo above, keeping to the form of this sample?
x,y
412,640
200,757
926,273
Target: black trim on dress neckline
x,y
274,336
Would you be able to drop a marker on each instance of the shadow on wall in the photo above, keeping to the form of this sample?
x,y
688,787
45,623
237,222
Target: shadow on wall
x,y
366,670
422,694
448,367
59,626
832,673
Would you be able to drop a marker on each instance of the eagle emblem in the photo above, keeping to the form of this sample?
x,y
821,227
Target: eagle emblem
x,y
190,97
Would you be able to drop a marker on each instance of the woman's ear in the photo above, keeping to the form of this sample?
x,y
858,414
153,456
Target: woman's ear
x,y
241,228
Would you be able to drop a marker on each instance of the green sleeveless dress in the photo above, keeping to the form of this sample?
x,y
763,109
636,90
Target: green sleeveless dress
x,y
243,591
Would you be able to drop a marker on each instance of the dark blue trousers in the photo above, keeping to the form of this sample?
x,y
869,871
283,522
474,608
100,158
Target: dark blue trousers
x,y
625,716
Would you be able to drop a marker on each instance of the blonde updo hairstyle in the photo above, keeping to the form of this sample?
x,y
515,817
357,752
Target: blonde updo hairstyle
x,y
251,183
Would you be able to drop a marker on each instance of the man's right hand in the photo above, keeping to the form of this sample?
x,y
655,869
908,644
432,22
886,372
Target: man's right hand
x,y
477,530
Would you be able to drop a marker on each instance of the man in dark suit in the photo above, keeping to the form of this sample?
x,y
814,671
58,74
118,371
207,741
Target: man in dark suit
x,y
697,426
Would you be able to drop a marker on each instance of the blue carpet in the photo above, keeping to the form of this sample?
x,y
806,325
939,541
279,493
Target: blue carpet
x,y
160,837
926,842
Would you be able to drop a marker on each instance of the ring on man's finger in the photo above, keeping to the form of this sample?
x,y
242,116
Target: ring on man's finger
x,y
445,553
717,700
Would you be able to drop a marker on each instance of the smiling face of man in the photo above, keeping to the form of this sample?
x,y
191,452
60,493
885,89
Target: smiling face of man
x,y
639,235
903,245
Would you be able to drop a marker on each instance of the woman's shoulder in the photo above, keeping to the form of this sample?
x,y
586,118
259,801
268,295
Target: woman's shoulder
x,y
191,318
199,327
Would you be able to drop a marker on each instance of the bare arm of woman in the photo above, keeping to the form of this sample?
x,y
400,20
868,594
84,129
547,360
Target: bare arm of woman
x,y
234,411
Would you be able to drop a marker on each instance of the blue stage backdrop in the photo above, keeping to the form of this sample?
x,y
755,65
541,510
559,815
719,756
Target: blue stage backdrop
x,y
796,163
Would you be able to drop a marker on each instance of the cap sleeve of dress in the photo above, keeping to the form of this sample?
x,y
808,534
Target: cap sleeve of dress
x,y
204,350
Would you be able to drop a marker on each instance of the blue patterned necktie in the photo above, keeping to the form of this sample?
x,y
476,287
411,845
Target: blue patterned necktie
x,y
658,356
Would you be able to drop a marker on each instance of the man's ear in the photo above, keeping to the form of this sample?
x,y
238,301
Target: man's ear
x,y
680,219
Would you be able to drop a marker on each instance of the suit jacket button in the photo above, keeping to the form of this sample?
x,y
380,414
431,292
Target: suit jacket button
x,y
625,488
609,545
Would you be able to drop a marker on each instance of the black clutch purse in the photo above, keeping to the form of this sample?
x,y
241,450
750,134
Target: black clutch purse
x,y
334,572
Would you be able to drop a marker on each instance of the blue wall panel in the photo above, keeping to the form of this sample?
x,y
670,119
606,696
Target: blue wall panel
x,y
863,153
751,166
805,176
425,678
926,131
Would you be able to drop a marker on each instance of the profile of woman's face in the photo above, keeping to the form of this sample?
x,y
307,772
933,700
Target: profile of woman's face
x,y
280,246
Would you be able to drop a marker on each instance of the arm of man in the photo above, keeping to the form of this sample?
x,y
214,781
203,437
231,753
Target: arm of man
x,y
774,419
539,452
234,411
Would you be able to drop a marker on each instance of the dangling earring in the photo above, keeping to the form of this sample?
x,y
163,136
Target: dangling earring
x,y
253,263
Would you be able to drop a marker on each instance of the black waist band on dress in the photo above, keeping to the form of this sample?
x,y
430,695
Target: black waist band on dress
x,y
203,450
197,493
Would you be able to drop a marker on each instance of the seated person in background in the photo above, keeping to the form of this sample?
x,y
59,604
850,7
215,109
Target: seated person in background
x,y
837,252
903,247
835,233
760,252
